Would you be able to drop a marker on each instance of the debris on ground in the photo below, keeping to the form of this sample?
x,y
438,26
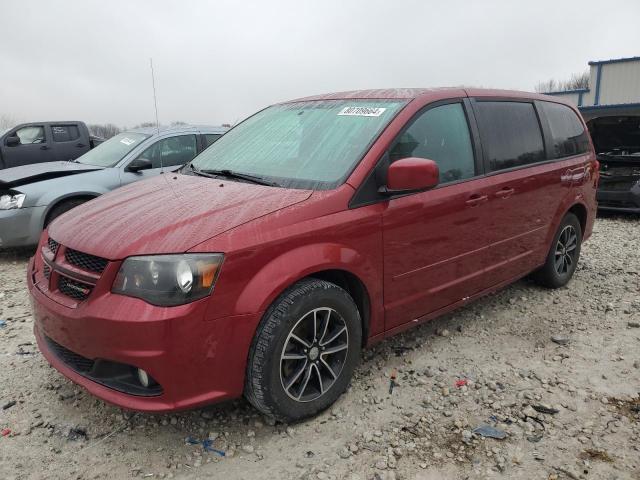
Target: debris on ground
x,y
8,405
77,433
544,409
392,381
207,445
489,432
560,339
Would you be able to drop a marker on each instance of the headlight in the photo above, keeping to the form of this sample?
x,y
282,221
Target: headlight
x,y
11,200
168,280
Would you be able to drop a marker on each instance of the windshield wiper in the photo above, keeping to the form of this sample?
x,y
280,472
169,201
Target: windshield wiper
x,y
231,174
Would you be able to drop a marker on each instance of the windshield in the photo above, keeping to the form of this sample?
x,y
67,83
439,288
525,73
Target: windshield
x,y
109,153
312,145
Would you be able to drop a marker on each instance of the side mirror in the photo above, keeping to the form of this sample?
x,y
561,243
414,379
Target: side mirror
x,y
13,141
411,175
139,164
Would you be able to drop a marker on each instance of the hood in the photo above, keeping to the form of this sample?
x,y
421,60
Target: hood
x,y
618,135
37,172
170,213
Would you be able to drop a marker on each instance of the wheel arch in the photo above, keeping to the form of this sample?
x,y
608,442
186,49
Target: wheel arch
x,y
65,198
353,272
575,205
580,211
356,288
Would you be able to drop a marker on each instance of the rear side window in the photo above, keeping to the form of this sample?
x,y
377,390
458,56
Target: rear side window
x,y
65,133
511,135
210,138
568,135
440,134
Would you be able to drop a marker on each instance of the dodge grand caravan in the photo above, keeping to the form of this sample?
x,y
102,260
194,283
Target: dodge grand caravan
x,y
310,230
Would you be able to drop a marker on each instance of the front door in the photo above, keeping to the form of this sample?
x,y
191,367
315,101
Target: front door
x,y
435,241
34,147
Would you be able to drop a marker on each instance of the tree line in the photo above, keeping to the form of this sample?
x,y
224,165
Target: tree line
x,y
576,82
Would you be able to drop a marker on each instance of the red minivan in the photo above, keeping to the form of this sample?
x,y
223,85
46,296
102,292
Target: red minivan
x,y
312,229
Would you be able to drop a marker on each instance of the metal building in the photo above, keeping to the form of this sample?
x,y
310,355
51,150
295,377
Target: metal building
x,y
611,109
614,89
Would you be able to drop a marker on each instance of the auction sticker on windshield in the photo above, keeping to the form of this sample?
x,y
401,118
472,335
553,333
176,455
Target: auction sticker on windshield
x,y
127,141
362,111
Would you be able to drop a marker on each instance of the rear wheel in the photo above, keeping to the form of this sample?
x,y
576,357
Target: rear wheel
x,y
563,256
304,352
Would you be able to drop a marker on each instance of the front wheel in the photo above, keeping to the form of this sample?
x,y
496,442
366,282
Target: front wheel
x,y
304,352
563,256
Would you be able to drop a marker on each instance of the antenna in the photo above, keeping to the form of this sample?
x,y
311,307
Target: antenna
x,y
155,104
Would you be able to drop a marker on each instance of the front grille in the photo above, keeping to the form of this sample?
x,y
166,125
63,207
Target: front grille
x,y
46,270
85,260
53,245
73,360
74,289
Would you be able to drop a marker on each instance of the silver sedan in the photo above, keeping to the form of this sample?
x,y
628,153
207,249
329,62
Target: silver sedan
x,y
31,196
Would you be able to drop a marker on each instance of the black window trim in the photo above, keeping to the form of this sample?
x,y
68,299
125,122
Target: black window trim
x,y
200,143
364,196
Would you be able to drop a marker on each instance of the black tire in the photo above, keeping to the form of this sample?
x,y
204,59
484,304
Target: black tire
x,y
63,207
267,371
562,259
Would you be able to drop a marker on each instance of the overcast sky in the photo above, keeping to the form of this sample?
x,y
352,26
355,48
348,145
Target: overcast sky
x,y
219,61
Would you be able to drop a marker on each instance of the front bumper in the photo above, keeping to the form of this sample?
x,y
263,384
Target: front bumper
x,y
620,201
21,227
195,361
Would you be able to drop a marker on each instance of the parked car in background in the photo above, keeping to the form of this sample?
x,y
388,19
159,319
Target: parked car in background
x,y
311,229
617,143
32,196
40,142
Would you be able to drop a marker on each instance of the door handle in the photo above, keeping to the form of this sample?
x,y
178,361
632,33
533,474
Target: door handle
x,y
79,145
44,147
505,192
476,199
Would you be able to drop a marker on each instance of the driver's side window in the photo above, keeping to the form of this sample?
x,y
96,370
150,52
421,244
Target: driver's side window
x,y
30,135
171,151
440,134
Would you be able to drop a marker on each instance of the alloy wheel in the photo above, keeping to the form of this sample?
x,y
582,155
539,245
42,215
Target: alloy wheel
x,y
314,354
566,250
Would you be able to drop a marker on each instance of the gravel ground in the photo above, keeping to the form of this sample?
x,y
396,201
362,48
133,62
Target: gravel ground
x,y
492,363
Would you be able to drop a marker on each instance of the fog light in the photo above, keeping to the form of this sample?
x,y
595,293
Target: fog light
x,y
144,378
